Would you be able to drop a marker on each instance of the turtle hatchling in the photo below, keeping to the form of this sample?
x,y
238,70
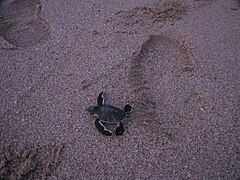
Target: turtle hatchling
x,y
107,114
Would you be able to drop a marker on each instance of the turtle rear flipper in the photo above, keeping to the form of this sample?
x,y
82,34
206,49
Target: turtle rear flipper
x,y
101,128
127,108
120,129
100,99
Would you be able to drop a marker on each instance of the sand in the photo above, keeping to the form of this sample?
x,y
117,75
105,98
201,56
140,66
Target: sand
x,y
176,62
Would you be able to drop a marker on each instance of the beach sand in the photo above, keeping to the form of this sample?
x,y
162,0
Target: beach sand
x,y
176,62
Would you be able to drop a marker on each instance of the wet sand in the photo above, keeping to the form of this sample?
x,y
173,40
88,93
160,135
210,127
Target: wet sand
x,y
176,63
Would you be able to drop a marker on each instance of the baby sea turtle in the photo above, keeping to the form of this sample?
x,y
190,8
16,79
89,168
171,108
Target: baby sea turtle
x,y
109,114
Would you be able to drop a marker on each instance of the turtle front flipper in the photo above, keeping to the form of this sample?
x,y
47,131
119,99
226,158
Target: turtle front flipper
x,y
100,99
101,128
120,129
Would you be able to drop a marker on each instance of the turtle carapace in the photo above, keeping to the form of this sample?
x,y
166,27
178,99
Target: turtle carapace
x,y
109,114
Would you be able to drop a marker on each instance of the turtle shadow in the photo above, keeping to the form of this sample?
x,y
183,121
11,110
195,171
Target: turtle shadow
x,y
21,24
156,72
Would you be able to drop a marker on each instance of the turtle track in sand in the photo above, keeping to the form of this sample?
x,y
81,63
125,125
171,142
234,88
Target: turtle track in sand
x,y
155,72
21,24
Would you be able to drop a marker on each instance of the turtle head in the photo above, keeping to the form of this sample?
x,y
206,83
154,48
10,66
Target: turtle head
x,y
92,110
